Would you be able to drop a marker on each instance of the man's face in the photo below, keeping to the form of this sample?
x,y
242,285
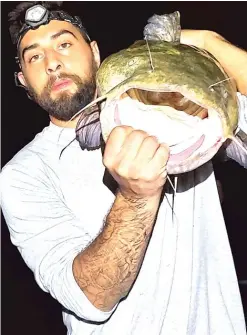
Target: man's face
x,y
59,68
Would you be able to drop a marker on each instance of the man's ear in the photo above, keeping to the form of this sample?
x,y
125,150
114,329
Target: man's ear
x,y
96,54
21,79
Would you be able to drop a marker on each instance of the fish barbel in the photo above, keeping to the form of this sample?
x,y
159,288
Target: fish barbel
x,y
178,93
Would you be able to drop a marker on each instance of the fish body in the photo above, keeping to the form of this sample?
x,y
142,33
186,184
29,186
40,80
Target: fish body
x,y
161,99
178,93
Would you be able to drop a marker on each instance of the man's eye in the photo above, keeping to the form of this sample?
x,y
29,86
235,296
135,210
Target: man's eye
x,y
34,58
65,45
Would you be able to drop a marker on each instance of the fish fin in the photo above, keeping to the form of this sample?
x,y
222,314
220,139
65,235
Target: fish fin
x,y
88,130
88,105
239,144
236,150
81,110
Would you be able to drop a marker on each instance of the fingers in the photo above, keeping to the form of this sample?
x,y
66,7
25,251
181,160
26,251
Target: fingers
x,y
136,142
150,163
126,146
160,159
147,150
136,161
193,37
114,143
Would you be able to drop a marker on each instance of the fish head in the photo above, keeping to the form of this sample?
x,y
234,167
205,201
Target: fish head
x,y
176,92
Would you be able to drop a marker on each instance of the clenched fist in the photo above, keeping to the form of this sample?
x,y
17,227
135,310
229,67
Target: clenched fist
x,y
136,161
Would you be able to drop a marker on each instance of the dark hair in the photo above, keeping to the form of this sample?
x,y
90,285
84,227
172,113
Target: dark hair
x,y
17,16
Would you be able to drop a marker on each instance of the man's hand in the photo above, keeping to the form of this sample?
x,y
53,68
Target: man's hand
x,y
232,58
136,161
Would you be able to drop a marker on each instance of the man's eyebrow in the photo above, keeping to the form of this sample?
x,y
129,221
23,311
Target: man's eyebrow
x,y
61,32
30,47
53,37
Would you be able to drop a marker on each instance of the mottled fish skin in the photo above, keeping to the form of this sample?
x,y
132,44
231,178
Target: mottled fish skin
x,y
180,68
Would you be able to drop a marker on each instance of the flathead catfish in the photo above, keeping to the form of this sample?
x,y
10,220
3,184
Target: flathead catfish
x,y
176,92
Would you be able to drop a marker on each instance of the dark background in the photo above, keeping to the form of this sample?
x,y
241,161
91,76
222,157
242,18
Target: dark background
x,y
115,25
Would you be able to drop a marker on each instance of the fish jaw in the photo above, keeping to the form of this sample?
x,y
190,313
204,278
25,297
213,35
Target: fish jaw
x,y
195,157
195,149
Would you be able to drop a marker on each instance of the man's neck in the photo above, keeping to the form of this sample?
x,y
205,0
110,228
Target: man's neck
x,y
65,124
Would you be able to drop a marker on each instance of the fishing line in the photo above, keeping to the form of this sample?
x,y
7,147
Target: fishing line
x,y
150,56
170,182
220,82
174,187
176,184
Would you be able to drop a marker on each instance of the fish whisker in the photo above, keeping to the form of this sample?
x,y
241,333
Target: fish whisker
x,y
66,147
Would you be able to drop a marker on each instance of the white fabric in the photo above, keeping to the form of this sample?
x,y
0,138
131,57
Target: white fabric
x,y
55,208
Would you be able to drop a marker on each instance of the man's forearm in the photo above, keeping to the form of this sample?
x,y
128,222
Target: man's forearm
x,y
106,269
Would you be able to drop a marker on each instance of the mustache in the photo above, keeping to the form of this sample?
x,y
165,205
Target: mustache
x,y
76,79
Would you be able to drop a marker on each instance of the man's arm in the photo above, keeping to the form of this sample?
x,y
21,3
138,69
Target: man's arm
x,y
106,270
50,237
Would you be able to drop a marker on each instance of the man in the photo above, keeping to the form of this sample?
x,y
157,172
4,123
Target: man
x,y
118,263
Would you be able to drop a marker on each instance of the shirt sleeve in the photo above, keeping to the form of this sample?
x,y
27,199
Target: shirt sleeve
x,y
233,150
47,234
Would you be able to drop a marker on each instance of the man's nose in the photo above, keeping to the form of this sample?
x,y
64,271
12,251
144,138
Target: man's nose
x,y
53,64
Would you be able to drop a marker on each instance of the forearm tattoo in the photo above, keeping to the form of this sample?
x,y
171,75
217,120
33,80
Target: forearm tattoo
x,y
106,269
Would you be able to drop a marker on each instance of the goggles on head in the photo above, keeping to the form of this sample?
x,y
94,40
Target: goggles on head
x,y
38,15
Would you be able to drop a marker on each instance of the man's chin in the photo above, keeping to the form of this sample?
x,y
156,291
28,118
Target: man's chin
x,y
62,94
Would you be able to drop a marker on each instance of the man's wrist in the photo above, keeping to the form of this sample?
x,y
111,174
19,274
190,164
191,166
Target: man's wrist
x,y
139,200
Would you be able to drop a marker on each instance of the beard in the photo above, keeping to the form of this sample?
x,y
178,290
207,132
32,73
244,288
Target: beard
x,y
67,104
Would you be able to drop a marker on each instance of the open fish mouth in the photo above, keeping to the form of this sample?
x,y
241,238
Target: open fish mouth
x,y
193,133
175,92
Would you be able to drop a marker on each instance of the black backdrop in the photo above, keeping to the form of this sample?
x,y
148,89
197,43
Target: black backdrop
x,y
115,25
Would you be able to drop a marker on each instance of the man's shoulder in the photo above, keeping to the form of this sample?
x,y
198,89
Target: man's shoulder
x,y
26,161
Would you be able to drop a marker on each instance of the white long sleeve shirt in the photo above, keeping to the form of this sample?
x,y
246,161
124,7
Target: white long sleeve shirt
x,y
55,207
